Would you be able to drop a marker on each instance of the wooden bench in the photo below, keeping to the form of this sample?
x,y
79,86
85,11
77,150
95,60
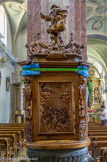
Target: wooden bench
x,y
15,126
19,136
103,154
96,145
15,129
15,133
5,143
98,136
13,142
98,133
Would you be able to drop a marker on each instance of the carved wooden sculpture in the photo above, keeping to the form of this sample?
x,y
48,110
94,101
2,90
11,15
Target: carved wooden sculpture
x,y
56,48
56,101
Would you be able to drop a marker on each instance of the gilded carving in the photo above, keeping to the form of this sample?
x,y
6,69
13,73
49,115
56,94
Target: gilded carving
x,y
96,98
55,107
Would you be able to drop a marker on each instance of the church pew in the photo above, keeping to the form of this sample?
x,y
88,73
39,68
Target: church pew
x,y
103,154
14,129
15,126
98,136
16,134
5,142
98,133
96,145
23,125
19,136
97,127
94,123
100,130
13,143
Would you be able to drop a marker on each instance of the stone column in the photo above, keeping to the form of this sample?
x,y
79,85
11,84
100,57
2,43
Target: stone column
x,y
105,89
83,29
77,23
34,21
22,87
35,25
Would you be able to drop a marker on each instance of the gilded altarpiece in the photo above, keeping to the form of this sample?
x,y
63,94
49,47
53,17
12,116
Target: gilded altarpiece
x,y
96,96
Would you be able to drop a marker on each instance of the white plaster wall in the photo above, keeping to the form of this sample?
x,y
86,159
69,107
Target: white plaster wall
x,y
3,23
5,99
20,51
9,39
16,75
5,29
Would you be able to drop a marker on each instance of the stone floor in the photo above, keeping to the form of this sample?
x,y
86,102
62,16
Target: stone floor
x,y
22,157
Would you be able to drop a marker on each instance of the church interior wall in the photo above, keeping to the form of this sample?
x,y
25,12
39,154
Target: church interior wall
x,y
5,92
9,37
20,50
20,53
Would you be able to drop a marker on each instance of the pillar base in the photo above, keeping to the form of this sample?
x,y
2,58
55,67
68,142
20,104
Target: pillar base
x,y
67,155
89,158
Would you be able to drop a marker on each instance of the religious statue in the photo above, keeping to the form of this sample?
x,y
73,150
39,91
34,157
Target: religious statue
x,y
57,17
96,93
56,48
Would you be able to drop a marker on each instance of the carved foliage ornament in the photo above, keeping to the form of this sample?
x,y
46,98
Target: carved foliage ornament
x,y
28,94
82,108
28,99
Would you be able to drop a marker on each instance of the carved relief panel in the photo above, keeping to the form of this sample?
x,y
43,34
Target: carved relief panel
x,y
59,106
56,109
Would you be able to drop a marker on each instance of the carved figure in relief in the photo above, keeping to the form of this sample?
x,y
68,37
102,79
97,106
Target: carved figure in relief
x,y
57,17
55,108
56,48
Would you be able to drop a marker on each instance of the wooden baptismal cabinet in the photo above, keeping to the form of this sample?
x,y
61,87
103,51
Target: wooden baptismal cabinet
x,y
56,110
56,105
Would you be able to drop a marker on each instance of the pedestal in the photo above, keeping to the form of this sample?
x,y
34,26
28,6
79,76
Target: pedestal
x,y
68,155
57,151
